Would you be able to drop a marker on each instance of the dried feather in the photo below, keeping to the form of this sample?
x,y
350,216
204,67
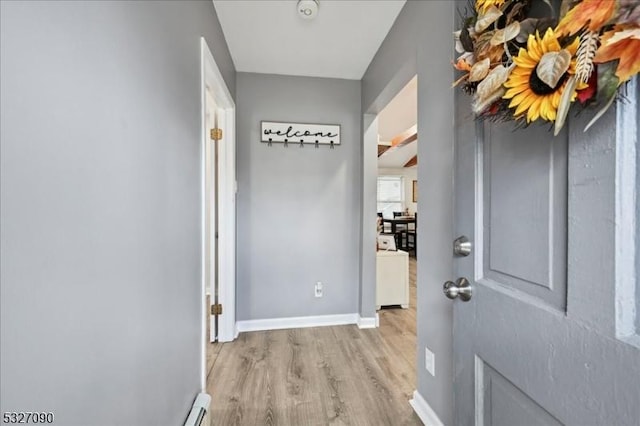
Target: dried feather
x,y
479,70
460,80
491,16
564,104
552,67
586,52
508,33
600,113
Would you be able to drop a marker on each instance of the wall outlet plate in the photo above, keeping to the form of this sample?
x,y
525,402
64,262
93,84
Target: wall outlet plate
x,y
318,289
430,361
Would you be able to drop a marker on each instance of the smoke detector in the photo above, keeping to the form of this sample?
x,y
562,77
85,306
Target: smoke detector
x,y
308,9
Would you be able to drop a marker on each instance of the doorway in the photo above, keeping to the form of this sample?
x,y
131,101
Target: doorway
x,y
397,211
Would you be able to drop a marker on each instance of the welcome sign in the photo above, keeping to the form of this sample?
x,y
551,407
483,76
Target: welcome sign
x,y
298,133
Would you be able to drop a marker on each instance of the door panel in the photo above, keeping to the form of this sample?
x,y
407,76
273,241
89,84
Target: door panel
x,y
531,258
504,404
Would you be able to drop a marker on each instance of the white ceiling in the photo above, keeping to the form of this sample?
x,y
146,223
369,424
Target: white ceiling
x,y
399,115
267,36
398,157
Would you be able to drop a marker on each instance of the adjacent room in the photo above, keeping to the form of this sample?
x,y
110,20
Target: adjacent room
x,y
397,211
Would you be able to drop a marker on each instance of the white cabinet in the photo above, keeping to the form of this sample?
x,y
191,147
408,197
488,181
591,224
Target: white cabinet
x,y
392,278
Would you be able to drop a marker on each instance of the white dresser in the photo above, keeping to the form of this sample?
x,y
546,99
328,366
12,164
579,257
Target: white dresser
x,y
392,278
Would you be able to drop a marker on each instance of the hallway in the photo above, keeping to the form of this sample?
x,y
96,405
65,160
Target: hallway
x,y
318,376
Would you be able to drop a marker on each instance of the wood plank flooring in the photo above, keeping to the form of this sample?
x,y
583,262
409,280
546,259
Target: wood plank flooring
x,y
318,376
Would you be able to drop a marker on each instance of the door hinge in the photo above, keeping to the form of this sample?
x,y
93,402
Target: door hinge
x,y
216,134
216,309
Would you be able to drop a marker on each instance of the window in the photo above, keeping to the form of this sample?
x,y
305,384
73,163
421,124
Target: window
x,y
390,195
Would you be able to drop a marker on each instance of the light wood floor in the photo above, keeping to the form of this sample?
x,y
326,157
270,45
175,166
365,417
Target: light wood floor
x,y
318,376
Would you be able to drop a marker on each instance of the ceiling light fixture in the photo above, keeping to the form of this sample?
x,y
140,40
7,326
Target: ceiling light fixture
x,y
308,9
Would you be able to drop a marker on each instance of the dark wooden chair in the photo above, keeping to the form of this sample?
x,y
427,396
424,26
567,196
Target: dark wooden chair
x,y
401,230
411,237
400,234
386,227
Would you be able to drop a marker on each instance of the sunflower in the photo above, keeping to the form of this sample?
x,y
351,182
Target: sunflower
x,y
525,89
483,5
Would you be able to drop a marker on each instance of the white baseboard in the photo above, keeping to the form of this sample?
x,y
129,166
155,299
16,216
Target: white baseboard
x,y
296,322
424,410
368,322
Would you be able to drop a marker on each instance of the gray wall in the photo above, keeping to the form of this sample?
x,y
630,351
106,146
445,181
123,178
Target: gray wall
x,y
100,212
411,48
369,219
298,208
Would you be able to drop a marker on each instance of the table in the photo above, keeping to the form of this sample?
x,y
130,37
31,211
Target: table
x,y
399,220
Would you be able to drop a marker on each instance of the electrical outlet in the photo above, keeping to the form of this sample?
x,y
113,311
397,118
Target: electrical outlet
x,y
318,289
430,361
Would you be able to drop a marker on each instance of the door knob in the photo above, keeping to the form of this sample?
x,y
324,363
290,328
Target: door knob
x,y
461,288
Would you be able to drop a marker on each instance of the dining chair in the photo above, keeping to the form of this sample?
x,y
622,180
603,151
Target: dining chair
x,y
411,236
400,227
386,227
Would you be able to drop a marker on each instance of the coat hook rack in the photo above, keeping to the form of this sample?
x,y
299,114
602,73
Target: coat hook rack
x,y
316,134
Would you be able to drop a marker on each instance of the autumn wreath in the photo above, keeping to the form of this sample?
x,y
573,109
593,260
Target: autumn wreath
x,y
526,67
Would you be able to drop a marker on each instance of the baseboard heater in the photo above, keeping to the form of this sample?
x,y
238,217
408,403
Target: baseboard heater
x,y
199,410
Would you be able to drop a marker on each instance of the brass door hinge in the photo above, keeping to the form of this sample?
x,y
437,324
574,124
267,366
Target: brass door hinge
x,y
216,309
216,134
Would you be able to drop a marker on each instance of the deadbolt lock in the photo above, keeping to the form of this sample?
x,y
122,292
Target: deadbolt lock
x,y
462,246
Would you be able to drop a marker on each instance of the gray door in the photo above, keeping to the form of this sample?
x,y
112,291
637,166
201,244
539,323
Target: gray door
x,y
539,342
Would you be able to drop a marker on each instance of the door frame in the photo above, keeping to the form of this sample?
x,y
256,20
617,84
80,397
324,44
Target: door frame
x,y
211,77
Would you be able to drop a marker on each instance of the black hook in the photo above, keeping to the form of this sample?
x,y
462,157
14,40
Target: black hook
x,y
331,146
301,143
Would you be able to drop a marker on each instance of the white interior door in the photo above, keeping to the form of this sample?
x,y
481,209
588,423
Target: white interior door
x,y
536,343
211,213
219,198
